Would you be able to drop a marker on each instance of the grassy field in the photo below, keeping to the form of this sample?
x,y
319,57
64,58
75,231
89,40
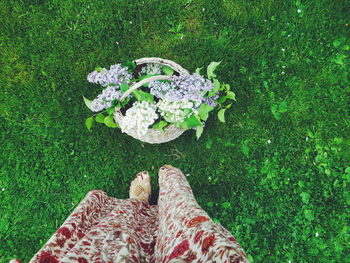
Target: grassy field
x,y
276,174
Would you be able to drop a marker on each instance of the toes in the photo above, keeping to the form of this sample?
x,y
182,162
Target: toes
x,y
139,176
143,176
165,168
146,177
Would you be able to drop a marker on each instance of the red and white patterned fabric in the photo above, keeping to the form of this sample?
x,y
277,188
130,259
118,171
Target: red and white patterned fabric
x,y
106,229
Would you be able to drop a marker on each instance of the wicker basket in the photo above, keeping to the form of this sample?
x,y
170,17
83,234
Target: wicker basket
x,y
153,136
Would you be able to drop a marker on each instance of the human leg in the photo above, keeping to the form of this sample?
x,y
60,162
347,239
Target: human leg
x,y
185,231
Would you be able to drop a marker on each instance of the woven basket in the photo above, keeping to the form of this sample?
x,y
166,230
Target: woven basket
x,y
153,136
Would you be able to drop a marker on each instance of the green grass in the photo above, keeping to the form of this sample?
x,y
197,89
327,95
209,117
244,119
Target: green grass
x,y
274,197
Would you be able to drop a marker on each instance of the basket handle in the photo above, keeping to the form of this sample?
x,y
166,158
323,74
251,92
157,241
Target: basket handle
x,y
142,82
176,67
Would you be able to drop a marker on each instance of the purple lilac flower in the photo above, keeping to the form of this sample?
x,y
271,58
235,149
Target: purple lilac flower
x,y
104,100
115,75
159,89
191,87
212,100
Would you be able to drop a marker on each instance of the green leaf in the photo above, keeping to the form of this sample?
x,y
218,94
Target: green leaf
x,y
129,64
310,134
265,85
229,106
143,96
211,68
305,197
99,118
209,143
210,204
250,258
179,36
221,115
347,170
275,112
123,103
245,148
282,107
124,87
199,131
198,70
108,120
327,172
88,122
168,70
193,121
345,47
225,86
88,103
216,86
309,215
231,95
204,110
226,205
339,59
110,110
336,183
160,125
222,99
186,112
182,125
336,43
211,94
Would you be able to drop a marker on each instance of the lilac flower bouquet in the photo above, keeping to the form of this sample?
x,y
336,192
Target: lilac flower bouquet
x,y
183,100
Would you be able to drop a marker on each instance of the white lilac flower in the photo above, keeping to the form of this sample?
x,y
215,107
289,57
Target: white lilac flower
x,y
116,75
151,68
104,100
175,111
190,87
139,117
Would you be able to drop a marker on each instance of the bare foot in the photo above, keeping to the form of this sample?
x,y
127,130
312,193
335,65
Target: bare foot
x,y
140,187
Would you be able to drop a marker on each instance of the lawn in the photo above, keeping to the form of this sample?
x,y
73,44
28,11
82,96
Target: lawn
x,y
276,174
